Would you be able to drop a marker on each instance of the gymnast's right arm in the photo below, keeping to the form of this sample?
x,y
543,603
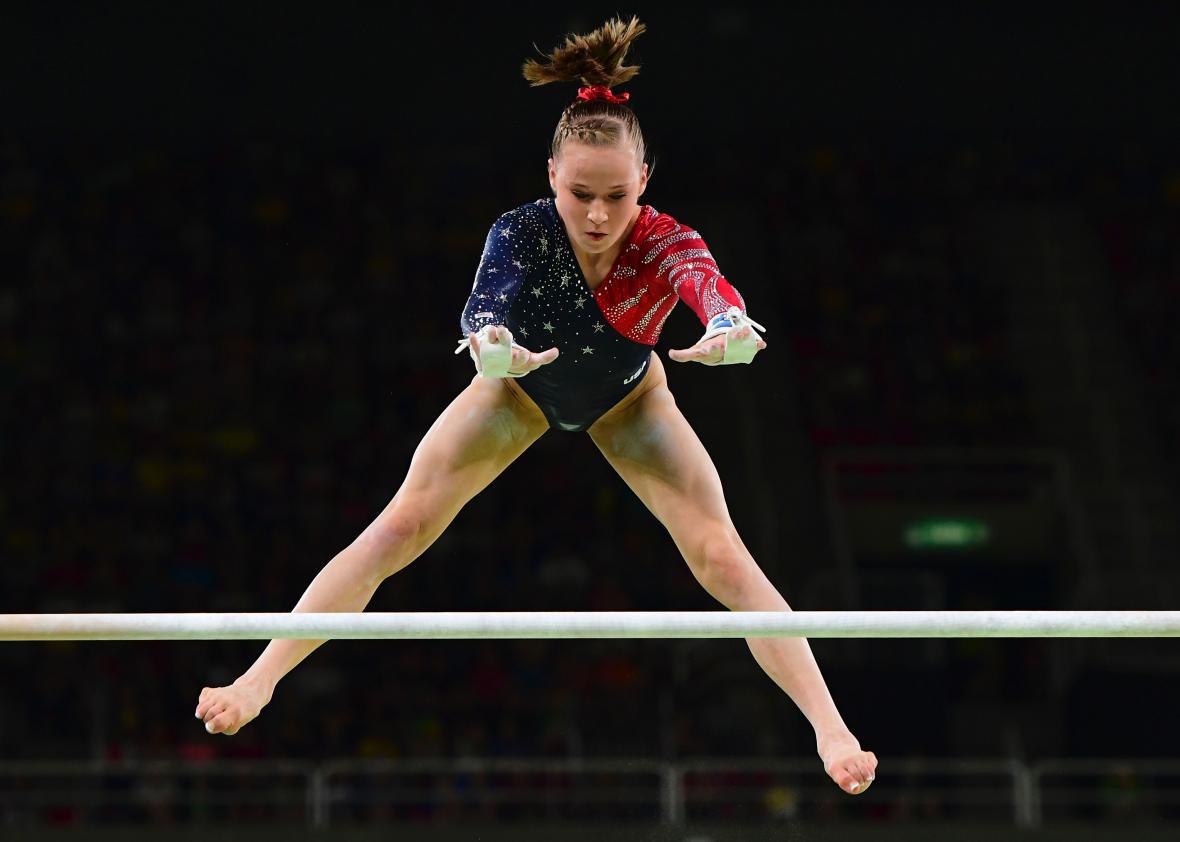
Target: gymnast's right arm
x,y
498,280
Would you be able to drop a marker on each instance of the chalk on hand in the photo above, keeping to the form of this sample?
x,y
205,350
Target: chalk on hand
x,y
495,358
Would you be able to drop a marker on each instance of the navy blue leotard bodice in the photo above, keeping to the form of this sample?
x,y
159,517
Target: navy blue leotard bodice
x,y
529,280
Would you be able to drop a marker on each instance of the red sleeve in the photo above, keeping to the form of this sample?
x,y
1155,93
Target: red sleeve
x,y
691,271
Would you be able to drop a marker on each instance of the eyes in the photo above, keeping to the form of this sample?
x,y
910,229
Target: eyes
x,y
580,196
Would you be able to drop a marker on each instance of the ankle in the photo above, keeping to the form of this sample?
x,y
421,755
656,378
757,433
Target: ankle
x,y
257,685
834,737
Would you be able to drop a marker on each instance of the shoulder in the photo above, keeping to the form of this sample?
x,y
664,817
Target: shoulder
x,y
660,232
531,215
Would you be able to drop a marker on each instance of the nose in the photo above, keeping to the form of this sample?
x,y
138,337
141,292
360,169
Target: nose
x,y
597,214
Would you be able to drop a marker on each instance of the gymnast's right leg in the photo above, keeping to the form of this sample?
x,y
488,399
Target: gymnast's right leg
x,y
484,429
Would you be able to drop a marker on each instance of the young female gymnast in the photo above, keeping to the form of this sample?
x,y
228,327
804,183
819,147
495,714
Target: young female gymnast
x,y
590,276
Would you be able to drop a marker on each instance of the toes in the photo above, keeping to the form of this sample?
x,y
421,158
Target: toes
x,y
869,765
866,771
223,722
212,710
857,776
853,779
845,780
854,773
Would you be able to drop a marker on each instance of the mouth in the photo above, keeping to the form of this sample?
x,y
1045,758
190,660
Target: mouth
x,y
595,236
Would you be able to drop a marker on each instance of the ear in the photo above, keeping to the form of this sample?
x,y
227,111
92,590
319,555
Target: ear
x,y
552,177
642,181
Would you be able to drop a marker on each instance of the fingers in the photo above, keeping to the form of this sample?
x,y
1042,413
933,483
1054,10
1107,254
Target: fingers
x,y
709,354
524,360
521,359
697,353
496,335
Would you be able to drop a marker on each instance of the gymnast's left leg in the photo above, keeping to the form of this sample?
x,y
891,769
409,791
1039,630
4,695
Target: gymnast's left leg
x,y
651,445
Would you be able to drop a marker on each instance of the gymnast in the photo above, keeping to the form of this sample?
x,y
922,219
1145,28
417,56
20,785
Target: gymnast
x,y
589,276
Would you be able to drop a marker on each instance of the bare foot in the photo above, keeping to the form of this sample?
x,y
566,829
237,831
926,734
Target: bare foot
x,y
225,710
853,770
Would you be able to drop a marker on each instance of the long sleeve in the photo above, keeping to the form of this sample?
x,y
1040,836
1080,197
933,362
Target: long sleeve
x,y
663,263
500,273
698,281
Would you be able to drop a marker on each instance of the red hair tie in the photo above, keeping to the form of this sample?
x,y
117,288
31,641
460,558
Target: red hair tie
x,y
601,92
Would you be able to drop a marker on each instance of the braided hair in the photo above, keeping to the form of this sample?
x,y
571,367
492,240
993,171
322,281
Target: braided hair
x,y
596,118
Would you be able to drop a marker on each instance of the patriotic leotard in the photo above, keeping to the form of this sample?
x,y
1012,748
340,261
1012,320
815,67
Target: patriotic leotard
x,y
529,281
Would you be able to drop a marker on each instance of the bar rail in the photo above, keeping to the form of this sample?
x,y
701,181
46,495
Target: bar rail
x,y
588,624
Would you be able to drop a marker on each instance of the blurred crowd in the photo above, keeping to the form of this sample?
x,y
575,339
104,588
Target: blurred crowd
x,y
218,362
1139,223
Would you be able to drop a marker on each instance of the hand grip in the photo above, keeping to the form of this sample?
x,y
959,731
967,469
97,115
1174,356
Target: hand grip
x,y
494,358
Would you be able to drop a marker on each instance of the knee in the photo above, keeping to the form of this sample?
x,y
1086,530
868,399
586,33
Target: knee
x,y
396,538
724,568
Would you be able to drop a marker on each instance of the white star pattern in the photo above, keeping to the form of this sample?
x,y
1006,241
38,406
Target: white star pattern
x,y
665,262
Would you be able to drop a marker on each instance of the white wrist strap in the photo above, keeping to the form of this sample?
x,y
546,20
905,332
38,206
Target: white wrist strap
x,y
494,357
736,350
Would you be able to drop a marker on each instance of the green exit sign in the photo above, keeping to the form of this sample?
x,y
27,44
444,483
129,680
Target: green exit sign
x,y
946,533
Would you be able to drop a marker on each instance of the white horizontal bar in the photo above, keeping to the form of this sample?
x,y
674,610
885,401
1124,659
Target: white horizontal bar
x,y
593,624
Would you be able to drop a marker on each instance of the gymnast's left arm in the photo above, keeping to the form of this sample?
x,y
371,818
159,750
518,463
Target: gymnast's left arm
x,y
730,335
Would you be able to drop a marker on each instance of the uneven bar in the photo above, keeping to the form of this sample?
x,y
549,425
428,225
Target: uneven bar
x,y
593,624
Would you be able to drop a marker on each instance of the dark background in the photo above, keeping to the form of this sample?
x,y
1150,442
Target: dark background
x,y
234,246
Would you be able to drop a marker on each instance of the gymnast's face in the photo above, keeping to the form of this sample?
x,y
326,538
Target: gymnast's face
x,y
597,190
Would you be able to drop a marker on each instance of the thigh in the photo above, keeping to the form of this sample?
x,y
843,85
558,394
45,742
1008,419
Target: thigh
x,y
483,430
656,452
